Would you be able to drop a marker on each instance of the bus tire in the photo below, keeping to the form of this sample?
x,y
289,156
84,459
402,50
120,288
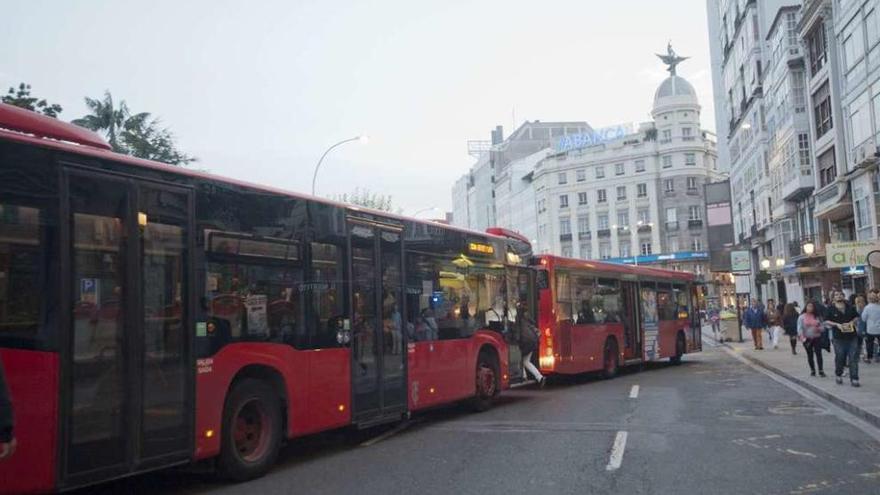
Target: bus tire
x,y
679,349
486,378
251,430
611,362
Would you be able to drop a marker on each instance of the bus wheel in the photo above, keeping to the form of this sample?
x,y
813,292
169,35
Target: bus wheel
x,y
679,350
251,431
486,382
612,360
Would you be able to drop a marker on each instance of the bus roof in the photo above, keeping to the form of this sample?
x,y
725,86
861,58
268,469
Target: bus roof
x,y
618,268
25,126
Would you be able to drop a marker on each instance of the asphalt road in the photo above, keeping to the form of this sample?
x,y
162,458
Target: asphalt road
x,y
711,425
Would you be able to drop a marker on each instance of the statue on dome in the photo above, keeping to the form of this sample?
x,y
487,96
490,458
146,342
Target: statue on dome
x,y
671,58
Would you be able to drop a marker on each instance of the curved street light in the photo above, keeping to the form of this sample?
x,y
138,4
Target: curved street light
x,y
362,138
430,208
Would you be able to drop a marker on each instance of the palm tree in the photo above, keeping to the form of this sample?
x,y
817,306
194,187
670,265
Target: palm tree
x,y
105,117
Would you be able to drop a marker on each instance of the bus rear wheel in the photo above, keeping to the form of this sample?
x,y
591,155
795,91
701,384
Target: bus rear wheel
x,y
486,382
679,350
251,431
612,360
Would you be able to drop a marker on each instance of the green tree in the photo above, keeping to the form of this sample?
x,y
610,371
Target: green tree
x,y
367,199
22,98
136,134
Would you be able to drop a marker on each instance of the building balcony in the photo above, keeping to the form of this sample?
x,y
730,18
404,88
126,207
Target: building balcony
x,y
645,228
672,225
797,248
695,223
585,236
564,237
603,232
833,202
798,184
623,231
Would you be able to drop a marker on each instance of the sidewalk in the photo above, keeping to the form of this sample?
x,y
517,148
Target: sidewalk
x,y
863,402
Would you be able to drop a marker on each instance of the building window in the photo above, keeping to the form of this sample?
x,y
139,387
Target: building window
x,y
692,184
822,110
690,159
666,136
600,172
642,190
646,248
640,165
667,161
582,198
671,215
622,219
621,193
566,251
562,178
827,168
601,196
687,134
586,251
604,251
804,152
602,221
619,169
542,206
581,175
583,224
669,185
696,244
644,216
564,226
625,251
694,212
817,46
673,244
853,43
798,92
563,201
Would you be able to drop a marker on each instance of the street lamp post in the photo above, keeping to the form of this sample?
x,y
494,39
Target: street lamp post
x,y
362,138
430,208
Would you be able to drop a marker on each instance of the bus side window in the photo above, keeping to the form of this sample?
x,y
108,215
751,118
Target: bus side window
x,y
608,291
585,299
564,305
326,309
665,303
682,309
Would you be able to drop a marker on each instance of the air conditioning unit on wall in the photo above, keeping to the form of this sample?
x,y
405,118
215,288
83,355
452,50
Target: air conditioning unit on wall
x,y
865,155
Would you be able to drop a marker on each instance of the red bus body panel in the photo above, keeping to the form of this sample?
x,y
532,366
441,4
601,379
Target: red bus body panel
x,y
33,384
442,371
668,332
316,383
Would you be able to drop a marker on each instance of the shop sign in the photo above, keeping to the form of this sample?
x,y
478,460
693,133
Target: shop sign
x,y
847,254
740,261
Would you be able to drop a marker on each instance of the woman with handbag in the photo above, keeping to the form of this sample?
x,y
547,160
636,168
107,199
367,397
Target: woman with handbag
x,y
789,324
809,330
526,336
843,319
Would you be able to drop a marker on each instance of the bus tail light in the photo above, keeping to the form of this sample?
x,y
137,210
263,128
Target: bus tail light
x,y
547,362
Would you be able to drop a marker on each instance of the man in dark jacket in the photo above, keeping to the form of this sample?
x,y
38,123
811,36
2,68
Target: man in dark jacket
x,y
7,439
755,320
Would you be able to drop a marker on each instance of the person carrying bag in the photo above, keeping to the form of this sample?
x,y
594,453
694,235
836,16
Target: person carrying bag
x,y
526,336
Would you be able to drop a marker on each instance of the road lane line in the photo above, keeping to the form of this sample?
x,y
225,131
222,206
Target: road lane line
x,y
617,452
634,393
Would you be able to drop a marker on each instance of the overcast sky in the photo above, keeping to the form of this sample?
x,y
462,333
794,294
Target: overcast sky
x,y
257,90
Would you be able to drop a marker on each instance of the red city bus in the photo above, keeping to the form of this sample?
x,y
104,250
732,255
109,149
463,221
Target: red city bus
x,y
153,316
598,316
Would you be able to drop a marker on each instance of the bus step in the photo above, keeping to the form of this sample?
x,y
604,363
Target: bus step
x,y
372,421
523,383
629,362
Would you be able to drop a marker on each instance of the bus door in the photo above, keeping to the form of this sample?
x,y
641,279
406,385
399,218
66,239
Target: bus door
x,y
632,337
378,336
520,291
697,304
127,384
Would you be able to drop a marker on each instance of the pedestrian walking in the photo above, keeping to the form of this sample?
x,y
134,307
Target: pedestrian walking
x,y
525,333
7,420
789,325
843,319
774,323
755,319
871,319
861,328
809,331
715,319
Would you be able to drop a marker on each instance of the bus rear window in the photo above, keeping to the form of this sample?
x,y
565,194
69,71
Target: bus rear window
x,y
22,255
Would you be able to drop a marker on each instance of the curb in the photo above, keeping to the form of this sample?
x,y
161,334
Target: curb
x,y
870,417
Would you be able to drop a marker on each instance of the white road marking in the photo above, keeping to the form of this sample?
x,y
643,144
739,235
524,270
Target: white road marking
x,y
617,452
634,393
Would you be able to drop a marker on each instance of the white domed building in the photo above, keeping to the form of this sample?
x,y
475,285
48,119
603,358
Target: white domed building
x,y
637,197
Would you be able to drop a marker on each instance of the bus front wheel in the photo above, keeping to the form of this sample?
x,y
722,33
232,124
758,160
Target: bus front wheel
x,y
251,430
679,350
